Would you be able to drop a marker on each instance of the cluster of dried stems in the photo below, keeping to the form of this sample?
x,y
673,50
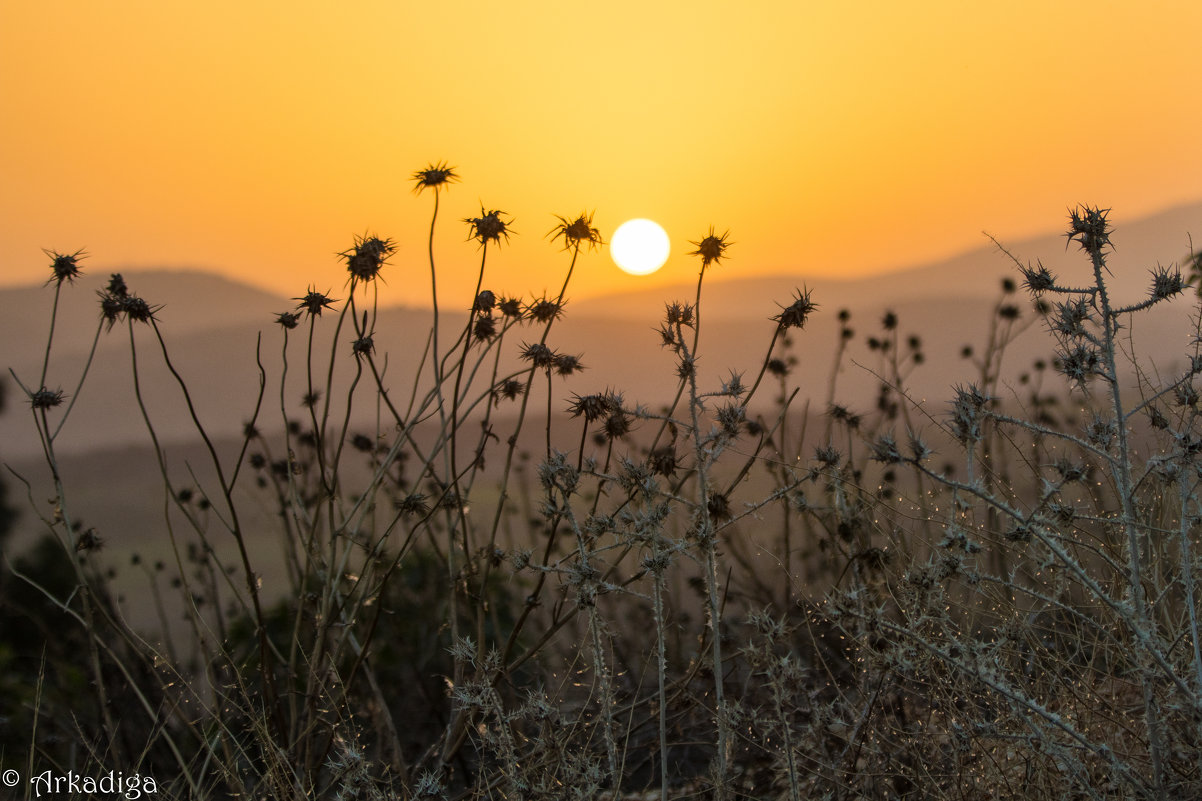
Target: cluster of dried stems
x,y
1019,619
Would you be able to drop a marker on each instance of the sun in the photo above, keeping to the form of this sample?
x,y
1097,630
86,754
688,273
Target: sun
x,y
639,247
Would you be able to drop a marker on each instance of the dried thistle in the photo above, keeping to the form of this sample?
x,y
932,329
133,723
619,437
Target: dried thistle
x,y
65,266
488,227
577,232
795,314
711,248
368,255
434,176
314,302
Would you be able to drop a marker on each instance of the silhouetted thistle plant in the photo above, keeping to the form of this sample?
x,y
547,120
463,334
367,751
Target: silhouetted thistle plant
x,y
441,635
64,266
368,256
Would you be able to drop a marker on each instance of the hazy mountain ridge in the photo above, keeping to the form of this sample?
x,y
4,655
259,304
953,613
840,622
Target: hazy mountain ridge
x,y
211,325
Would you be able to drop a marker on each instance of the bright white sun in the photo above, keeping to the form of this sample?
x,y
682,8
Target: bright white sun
x,y
639,246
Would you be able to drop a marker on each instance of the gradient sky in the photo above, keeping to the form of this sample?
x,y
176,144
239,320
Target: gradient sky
x,y
256,138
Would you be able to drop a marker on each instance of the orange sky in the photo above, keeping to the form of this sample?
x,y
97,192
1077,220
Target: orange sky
x,y
256,138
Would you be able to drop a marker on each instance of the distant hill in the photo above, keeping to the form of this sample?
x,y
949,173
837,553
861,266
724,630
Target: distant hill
x,y
211,325
1140,245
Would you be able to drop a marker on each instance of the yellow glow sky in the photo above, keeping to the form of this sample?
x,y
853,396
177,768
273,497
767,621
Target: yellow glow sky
x,y
257,137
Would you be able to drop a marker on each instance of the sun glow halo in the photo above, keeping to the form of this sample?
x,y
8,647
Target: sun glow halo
x,y
639,246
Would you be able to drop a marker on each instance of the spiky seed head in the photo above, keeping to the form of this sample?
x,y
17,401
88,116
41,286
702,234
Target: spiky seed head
x,y
576,232
718,506
592,407
565,364
544,310
711,248
488,227
508,389
485,328
1080,363
414,503
137,310
885,450
663,461
368,256
796,313
1167,282
1038,279
617,424
116,286
539,355
64,266
731,416
1089,227
484,302
111,308
314,302
510,307
288,320
828,456
676,313
434,176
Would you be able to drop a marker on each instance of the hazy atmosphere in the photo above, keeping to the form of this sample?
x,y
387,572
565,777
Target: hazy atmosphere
x,y
831,139
642,402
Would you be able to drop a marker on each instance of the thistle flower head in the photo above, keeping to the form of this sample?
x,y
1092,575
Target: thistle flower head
x,y
314,302
434,176
508,389
288,320
137,310
116,286
368,255
1080,363
711,248
539,355
592,407
543,310
828,456
731,415
663,461
1167,282
485,328
885,450
65,266
484,302
510,307
1038,279
576,232
111,307
677,313
967,413
796,313
1089,228
488,227
566,364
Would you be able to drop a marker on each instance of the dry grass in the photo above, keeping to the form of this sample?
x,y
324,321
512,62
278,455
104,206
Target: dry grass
x,y
724,598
